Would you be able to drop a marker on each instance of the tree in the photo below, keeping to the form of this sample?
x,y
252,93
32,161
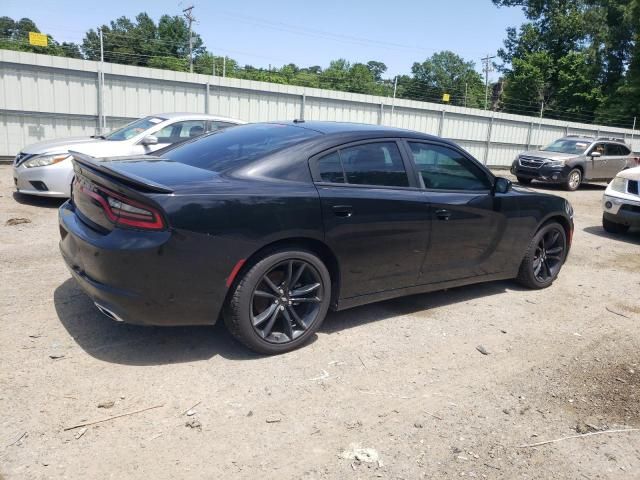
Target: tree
x,y
446,72
376,69
15,36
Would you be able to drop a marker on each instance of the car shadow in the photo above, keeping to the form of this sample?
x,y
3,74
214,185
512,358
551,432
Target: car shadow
x,y
126,344
632,236
34,200
345,319
556,187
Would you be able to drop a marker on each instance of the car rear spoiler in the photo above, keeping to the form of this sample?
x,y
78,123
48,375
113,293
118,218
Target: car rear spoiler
x,y
102,167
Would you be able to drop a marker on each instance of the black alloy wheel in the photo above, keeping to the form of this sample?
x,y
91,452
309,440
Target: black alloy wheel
x,y
286,301
544,258
280,302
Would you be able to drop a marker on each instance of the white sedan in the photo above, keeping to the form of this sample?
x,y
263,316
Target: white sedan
x,y
621,202
45,168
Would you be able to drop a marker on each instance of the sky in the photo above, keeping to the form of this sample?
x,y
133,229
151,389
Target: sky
x,y
277,32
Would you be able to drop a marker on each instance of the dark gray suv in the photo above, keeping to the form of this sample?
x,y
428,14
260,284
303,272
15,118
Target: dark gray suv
x,y
573,159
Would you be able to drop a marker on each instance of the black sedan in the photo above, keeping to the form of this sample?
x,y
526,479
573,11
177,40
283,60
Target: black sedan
x,y
270,225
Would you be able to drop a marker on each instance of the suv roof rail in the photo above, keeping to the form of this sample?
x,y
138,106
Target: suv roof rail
x,y
611,139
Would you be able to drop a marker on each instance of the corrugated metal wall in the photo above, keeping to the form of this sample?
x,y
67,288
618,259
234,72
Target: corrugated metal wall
x,y
44,97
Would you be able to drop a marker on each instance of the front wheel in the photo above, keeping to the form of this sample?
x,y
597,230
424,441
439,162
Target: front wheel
x,y
613,227
544,258
524,181
280,302
574,179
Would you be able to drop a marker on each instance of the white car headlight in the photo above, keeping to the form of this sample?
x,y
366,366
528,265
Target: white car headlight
x,y
44,160
618,184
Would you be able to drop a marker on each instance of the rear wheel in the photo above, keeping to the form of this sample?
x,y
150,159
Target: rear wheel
x,y
280,302
524,181
544,258
613,227
574,179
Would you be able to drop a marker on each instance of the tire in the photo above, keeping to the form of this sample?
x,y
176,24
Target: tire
x,y
543,261
524,181
613,227
574,179
257,313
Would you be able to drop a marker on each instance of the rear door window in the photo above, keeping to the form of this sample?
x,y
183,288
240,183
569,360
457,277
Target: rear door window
x,y
376,164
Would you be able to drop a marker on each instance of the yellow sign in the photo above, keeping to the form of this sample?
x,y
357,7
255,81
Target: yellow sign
x,y
445,97
38,39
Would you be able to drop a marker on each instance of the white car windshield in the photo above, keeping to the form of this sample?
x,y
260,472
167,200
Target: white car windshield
x,y
567,146
134,128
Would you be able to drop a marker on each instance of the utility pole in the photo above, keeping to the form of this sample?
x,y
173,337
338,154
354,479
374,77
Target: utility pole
x,y
395,89
188,14
540,122
633,131
224,66
102,123
487,67
465,93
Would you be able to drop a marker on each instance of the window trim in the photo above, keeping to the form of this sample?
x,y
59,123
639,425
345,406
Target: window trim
x,y
491,178
315,172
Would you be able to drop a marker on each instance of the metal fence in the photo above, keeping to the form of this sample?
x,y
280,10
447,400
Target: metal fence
x,y
43,97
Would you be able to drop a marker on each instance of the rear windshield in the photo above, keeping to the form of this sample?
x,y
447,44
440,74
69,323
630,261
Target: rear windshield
x,y
232,147
567,146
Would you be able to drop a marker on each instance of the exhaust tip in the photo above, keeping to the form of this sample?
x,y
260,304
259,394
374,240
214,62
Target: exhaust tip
x,y
105,311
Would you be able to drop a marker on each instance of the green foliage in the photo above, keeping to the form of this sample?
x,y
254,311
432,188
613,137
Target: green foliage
x,y
445,72
14,35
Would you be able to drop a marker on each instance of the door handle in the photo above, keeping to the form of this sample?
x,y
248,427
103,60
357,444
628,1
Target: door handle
x,y
443,214
342,210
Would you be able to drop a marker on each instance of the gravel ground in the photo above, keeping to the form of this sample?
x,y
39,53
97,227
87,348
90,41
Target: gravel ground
x,y
402,378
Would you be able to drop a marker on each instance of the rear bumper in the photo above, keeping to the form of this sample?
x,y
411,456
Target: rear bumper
x,y
544,173
140,277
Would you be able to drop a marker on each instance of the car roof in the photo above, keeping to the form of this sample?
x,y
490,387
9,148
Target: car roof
x,y
196,116
329,128
586,138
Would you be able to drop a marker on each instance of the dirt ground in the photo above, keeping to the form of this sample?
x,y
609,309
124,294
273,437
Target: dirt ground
x,y
402,377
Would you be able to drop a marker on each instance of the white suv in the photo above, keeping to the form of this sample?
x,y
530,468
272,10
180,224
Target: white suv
x,y
621,202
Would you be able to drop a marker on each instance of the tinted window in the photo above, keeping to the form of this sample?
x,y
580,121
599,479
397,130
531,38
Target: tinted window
x,y
615,149
230,147
444,168
178,131
374,164
330,168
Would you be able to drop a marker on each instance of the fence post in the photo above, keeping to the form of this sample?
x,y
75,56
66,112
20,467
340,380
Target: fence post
x,y
381,114
486,152
100,102
529,136
206,99
303,104
441,125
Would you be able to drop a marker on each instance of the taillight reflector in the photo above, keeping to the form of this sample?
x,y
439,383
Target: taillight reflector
x,y
122,210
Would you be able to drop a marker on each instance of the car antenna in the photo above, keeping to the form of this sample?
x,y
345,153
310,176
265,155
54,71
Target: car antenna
x,y
298,120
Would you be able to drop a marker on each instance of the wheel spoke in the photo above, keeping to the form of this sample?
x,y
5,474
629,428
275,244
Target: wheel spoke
x,y
546,268
272,321
288,329
264,315
298,274
289,273
554,237
306,300
272,285
262,293
554,251
537,265
305,290
297,318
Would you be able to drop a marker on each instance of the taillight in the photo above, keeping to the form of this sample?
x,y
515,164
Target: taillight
x,y
124,211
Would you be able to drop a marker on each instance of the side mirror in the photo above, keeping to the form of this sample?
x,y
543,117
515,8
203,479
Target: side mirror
x,y
502,185
149,140
595,154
